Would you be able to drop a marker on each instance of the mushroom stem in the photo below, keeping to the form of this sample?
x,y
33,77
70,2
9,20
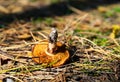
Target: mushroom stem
x,y
51,47
52,41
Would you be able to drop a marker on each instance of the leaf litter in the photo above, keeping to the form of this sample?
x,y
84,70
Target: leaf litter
x,y
82,32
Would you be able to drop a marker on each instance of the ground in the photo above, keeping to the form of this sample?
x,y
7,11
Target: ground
x,y
90,31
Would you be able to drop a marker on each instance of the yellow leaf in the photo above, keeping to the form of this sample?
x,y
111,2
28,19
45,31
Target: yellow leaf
x,y
29,54
102,9
24,36
116,27
115,30
112,35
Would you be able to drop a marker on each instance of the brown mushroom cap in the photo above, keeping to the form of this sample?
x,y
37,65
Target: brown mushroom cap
x,y
41,56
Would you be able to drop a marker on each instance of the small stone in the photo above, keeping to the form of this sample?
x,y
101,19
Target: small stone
x,y
76,77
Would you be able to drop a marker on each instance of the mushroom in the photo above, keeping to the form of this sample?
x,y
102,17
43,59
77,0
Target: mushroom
x,y
50,52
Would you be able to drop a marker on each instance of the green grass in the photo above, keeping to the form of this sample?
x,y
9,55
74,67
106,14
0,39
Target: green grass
x,y
116,9
55,1
37,20
116,50
101,41
112,12
47,20
33,0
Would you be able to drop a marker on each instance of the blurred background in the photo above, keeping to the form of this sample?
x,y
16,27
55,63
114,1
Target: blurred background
x,y
11,10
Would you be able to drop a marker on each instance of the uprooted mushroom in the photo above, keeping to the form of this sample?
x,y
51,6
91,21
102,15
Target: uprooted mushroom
x,y
50,52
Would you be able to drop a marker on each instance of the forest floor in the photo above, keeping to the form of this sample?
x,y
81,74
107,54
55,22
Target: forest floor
x,y
90,30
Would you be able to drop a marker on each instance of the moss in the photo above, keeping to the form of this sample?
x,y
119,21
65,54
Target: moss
x,y
101,42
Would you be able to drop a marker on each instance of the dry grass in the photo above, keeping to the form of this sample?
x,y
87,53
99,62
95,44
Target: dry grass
x,y
93,52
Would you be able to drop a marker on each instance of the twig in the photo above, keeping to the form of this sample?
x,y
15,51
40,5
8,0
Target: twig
x,y
17,79
13,47
32,68
75,9
8,56
33,36
116,42
27,70
43,35
88,56
71,23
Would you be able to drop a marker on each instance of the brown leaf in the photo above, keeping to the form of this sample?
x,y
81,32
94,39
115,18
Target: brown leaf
x,y
4,10
24,36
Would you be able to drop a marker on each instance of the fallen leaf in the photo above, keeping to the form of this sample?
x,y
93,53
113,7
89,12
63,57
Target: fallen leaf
x,y
112,35
4,10
24,36
115,30
102,9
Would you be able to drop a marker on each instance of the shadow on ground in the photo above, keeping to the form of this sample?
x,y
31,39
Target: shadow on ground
x,y
57,9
